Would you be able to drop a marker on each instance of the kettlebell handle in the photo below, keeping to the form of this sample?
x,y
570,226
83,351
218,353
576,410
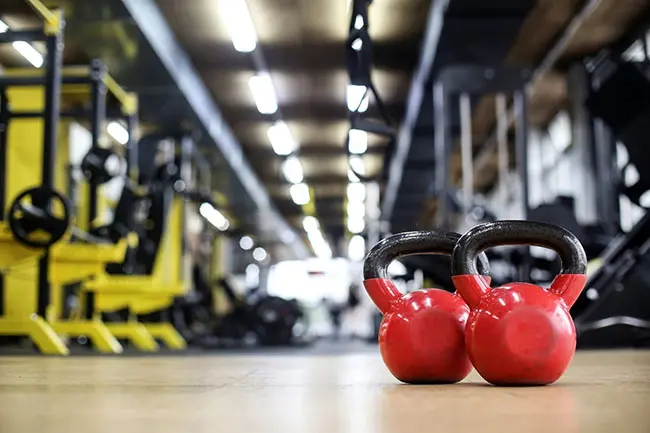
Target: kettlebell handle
x,y
410,243
488,235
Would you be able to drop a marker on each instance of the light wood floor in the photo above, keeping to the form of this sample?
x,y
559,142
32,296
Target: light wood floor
x,y
602,392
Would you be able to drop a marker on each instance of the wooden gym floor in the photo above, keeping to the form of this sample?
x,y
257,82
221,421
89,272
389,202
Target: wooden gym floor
x,y
602,392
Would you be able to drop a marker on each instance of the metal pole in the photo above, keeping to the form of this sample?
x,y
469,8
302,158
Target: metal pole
x,y
521,144
502,139
466,152
53,65
98,115
4,127
4,134
441,144
132,168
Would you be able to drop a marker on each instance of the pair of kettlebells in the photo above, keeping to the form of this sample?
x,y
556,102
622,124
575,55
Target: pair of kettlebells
x,y
515,334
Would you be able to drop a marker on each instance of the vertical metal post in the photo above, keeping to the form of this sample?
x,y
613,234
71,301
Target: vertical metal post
x,y
4,129
466,152
521,146
442,140
4,134
53,65
98,115
608,177
502,139
132,168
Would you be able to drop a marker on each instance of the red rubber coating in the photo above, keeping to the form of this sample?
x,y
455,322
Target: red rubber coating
x,y
519,333
421,337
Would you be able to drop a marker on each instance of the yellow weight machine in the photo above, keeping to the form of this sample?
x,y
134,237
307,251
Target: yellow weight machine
x,y
27,181
168,276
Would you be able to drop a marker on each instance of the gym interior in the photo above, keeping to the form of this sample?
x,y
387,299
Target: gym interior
x,y
324,215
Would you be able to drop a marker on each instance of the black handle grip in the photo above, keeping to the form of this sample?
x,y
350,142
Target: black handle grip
x,y
410,243
488,235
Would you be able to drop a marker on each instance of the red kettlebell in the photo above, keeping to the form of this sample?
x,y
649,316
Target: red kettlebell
x,y
421,336
520,333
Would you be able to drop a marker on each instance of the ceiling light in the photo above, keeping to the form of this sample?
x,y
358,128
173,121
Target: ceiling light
x,y
356,192
310,224
29,52
300,194
118,132
357,248
259,254
213,216
356,209
358,22
356,225
246,243
292,170
356,162
357,141
281,139
353,177
320,246
240,26
357,44
25,49
357,98
263,92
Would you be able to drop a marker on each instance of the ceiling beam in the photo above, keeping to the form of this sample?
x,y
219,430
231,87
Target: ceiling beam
x,y
305,56
324,111
311,151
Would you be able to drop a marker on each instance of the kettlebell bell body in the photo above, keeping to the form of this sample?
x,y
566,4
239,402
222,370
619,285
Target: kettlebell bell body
x,y
520,333
421,336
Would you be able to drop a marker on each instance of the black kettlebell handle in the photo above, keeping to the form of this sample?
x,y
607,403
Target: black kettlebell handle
x,y
410,243
488,235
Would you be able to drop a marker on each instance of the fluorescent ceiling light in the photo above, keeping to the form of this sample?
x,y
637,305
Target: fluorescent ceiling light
x,y
292,170
356,162
354,96
281,139
29,52
214,217
240,26
310,224
357,44
358,22
261,88
259,254
356,225
357,141
356,192
353,177
25,49
318,243
356,209
246,243
300,194
118,132
357,248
